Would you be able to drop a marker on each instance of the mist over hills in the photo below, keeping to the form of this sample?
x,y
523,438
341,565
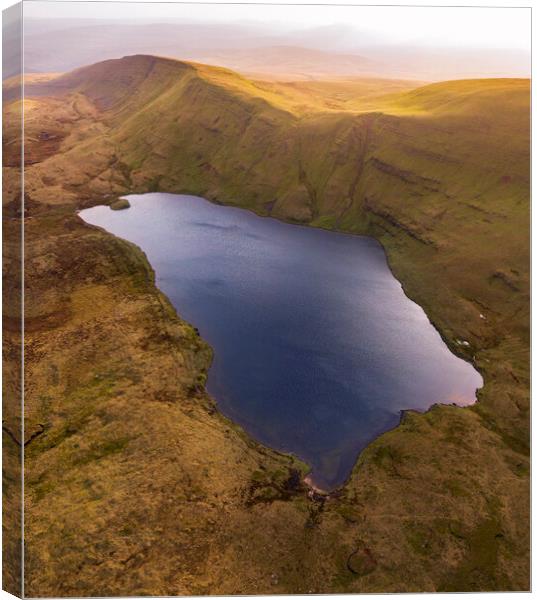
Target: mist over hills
x,y
411,126
59,45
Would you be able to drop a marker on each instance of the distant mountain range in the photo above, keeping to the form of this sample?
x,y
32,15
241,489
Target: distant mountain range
x,y
316,53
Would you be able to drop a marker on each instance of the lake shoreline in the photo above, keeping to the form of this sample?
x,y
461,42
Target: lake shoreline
x,y
451,343
308,479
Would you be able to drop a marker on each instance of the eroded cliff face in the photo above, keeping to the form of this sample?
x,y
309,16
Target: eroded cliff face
x,y
135,484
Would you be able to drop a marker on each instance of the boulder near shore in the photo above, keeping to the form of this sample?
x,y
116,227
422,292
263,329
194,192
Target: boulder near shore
x,y
120,204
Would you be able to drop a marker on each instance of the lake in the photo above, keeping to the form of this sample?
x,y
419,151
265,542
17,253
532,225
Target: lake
x,y
317,350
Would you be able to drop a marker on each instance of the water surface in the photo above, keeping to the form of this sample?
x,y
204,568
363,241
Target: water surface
x,y
316,347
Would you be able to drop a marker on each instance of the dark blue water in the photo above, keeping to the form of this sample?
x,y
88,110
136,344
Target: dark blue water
x,y
316,347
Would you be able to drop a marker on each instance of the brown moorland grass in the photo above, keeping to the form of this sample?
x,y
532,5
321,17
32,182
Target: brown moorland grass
x,y
135,483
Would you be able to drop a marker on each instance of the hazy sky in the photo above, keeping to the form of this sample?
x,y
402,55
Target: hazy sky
x,y
430,26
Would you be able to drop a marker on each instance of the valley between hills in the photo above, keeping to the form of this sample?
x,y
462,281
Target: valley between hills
x,y
134,482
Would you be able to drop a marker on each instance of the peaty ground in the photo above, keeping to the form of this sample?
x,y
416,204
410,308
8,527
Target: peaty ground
x,y
135,484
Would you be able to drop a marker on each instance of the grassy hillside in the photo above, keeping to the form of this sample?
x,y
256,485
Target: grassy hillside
x,y
440,174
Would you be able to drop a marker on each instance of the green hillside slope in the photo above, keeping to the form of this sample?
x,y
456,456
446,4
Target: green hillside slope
x,y
439,174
